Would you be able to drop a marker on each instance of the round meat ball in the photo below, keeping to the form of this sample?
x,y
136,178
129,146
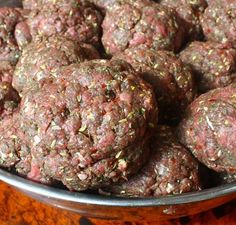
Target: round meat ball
x,y
171,169
227,178
172,81
189,11
208,129
211,1
214,64
6,71
198,6
218,2
22,32
36,4
9,51
9,99
219,22
22,35
91,127
15,151
105,5
10,144
40,58
80,23
153,25
33,4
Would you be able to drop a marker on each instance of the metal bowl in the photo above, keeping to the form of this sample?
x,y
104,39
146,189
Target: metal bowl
x,y
149,209
107,207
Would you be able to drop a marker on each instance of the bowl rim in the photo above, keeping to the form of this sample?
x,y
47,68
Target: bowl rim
x,y
100,200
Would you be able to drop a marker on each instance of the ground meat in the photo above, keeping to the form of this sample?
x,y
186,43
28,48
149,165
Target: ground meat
x,y
153,25
22,32
22,35
81,22
171,169
91,127
189,11
40,58
9,99
219,22
15,151
89,52
35,4
227,178
171,79
218,2
32,4
105,5
214,64
208,129
9,51
211,1
6,71
10,144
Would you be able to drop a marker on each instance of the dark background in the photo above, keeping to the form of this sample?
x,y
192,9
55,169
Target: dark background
x,y
16,3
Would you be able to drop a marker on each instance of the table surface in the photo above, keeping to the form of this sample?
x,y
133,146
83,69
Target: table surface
x,y
18,209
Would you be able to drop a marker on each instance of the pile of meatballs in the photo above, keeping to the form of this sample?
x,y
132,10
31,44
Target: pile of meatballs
x,y
124,97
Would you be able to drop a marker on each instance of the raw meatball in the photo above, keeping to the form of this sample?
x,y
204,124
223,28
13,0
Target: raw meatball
x,y
6,71
189,11
153,25
105,5
34,4
214,64
22,32
9,51
9,99
80,23
15,152
218,2
22,35
10,144
31,4
209,129
227,178
219,22
91,127
40,58
171,79
171,169
212,1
